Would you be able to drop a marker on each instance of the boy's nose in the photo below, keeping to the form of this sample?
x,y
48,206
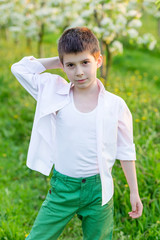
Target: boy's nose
x,y
79,71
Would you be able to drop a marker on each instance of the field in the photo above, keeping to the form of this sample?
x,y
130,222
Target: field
x,y
135,77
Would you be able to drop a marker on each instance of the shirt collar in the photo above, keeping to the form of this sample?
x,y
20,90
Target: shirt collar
x,y
101,86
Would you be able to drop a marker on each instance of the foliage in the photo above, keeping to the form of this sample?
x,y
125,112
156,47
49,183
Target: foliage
x,y
135,77
137,81
158,4
113,22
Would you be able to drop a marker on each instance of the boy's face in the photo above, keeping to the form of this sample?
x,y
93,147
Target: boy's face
x,y
81,69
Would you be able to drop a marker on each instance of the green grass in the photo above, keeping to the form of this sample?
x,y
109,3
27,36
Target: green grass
x,y
133,76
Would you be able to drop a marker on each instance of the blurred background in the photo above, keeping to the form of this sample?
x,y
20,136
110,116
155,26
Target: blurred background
x,y
129,36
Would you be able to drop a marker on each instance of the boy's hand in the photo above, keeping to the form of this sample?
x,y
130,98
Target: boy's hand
x,y
137,206
59,64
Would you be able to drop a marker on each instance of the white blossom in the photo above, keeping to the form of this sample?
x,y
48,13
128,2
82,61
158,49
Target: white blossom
x,y
120,24
86,13
116,47
108,38
106,21
121,7
132,33
139,40
78,23
131,13
15,29
135,23
152,45
147,40
109,20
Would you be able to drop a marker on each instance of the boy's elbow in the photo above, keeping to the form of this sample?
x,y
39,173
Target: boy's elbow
x,y
13,69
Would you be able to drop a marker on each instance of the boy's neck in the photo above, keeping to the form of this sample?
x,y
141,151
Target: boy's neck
x,y
90,91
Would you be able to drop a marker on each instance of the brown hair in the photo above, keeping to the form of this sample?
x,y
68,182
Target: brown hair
x,y
78,39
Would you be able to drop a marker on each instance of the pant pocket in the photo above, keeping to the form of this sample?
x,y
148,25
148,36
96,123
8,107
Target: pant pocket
x,y
53,182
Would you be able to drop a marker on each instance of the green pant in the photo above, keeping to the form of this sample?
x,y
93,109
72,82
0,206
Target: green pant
x,y
69,196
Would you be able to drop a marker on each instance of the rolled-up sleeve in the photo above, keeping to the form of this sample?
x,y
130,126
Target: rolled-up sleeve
x,y
27,72
125,145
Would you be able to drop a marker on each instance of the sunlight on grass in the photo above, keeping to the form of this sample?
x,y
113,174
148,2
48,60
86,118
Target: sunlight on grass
x,y
134,77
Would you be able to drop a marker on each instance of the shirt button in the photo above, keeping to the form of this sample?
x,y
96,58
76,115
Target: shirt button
x,y
83,180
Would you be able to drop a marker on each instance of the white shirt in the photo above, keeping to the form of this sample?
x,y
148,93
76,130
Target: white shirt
x,y
114,129
76,146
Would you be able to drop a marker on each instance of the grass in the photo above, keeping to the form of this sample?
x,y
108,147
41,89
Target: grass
x,y
135,77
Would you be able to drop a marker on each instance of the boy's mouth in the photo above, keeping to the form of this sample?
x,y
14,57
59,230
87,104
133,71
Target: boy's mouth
x,y
81,80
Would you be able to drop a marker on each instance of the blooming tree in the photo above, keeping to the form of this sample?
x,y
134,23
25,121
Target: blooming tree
x,y
39,17
158,4
150,7
5,13
113,22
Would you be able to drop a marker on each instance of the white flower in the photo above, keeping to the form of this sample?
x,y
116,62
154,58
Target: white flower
x,y
131,13
120,22
86,13
108,37
79,22
98,30
121,7
148,37
132,33
152,45
17,19
6,6
135,23
106,33
139,40
15,29
29,6
107,6
150,7
106,21
157,15
43,12
147,40
116,47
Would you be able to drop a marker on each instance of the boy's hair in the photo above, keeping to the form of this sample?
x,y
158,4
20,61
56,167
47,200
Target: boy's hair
x,y
78,39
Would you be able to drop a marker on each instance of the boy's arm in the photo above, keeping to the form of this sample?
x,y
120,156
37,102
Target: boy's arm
x,y
28,69
50,63
130,174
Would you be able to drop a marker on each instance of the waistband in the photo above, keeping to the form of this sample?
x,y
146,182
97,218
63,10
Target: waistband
x,y
94,178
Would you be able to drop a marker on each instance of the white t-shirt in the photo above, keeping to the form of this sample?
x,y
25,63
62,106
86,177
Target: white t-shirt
x,y
76,147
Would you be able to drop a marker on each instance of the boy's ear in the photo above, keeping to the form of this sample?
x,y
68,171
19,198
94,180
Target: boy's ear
x,y
99,61
62,66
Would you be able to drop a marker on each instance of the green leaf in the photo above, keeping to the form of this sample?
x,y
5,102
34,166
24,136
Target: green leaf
x,y
158,4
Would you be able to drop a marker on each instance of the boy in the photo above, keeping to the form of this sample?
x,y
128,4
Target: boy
x,y
80,128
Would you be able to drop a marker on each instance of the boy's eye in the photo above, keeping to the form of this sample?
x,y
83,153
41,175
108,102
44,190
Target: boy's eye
x,y
70,65
85,62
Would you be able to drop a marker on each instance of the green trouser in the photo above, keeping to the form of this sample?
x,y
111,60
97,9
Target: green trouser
x,y
69,196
